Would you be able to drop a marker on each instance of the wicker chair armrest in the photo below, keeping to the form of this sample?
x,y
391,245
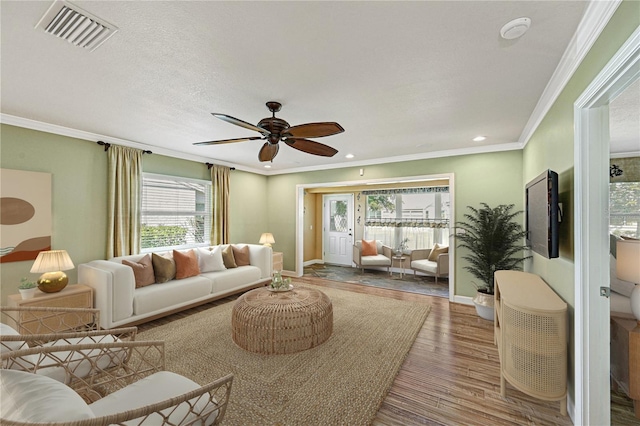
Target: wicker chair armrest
x,y
356,255
91,369
214,397
43,320
420,254
386,251
443,264
92,336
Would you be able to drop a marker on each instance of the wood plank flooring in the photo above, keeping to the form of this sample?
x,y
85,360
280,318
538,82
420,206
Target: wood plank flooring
x,y
451,375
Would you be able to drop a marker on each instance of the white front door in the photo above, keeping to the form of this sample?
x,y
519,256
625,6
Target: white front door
x,y
337,219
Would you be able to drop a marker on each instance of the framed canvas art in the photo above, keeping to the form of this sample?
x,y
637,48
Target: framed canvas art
x,y
25,214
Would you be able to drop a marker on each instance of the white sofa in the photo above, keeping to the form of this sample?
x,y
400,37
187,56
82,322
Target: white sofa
x,y
121,303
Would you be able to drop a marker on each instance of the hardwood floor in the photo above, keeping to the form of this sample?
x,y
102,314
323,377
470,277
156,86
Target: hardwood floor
x,y
451,375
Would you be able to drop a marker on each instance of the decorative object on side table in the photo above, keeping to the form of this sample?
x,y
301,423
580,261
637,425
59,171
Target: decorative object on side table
x,y
493,239
27,288
278,283
402,247
51,264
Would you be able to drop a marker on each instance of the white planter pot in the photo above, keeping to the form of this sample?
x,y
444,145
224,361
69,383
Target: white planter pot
x,y
484,305
28,293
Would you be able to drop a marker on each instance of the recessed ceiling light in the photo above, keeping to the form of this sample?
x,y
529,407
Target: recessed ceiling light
x,y
267,166
349,156
515,28
479,138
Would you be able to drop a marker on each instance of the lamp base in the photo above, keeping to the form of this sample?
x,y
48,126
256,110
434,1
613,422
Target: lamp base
x,y
52,282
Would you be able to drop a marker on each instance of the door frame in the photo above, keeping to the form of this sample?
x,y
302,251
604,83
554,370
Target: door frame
x,y
351,216
591,200
300,188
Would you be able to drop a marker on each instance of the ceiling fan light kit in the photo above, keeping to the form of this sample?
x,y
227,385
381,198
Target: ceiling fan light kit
x,y
274,130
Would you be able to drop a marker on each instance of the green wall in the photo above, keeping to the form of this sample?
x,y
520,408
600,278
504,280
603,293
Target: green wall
x,y
493,178
79,194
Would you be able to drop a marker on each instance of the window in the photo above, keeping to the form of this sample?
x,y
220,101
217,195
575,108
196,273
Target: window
x,y
624,205
176,212
420,215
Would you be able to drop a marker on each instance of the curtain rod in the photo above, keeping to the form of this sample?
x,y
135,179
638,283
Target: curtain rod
x,y
108,145
210,165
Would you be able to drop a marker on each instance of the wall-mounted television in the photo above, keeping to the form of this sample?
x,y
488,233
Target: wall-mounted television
x,y
543,214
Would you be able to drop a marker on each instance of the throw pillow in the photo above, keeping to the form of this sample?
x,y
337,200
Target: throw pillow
x,y
210,260
186,264
164,268
227,258
437,251
369,248
241,255
142,271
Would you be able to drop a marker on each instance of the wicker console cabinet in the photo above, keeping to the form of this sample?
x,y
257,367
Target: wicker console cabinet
x,y
531,334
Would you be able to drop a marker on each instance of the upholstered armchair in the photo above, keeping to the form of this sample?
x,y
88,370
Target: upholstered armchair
x,y
371,253
433,261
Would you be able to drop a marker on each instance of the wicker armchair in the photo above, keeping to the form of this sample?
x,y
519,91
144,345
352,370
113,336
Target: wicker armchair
x,y
381,259
137,392
46,320
420,262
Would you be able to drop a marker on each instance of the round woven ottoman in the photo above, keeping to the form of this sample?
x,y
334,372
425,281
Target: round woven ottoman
x,y
267,322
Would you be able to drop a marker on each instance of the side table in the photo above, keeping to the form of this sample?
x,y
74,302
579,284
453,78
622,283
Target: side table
x,y
72,296
399,262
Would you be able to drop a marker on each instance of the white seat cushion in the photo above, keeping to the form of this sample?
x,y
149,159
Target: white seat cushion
x,y
150,390
425,265
228,279
161,296
377,260
32,398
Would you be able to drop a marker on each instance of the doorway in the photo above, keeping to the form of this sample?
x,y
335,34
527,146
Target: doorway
x,y
337,229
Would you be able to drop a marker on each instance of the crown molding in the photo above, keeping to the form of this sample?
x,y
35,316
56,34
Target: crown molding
x,y
595,19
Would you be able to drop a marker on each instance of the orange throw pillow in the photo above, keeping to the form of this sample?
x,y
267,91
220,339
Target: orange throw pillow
x,y
437,251
186,264
369,248
241,255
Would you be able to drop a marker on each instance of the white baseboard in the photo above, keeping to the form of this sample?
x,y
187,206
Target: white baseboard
x,y
465,300
313,262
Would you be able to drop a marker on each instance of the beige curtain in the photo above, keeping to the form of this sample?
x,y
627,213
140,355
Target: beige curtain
x,y
220,205
125,183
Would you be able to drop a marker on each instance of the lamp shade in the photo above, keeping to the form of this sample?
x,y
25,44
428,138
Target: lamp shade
x,y
628,260
267,239
52,261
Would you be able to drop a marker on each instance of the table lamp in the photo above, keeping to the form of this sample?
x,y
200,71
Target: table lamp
x,y
266,239
51,264
628,269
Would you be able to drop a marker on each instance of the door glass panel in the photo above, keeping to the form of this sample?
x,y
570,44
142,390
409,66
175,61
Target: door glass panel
x,y
338,217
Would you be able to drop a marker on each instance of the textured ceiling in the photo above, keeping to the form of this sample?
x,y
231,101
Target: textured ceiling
x,y
405,79
624,121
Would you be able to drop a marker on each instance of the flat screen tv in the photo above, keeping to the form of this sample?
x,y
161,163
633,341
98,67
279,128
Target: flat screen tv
x,y
542,214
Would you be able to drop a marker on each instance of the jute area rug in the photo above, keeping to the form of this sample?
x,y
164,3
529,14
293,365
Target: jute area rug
x,y
342,381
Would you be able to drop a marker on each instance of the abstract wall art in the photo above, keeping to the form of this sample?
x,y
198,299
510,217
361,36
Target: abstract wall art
x,y
25,214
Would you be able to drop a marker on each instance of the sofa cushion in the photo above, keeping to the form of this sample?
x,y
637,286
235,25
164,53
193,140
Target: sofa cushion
x,y
230,279
6,346
173,293
241,255
425,265
164,268
32,398
227,257
150,390
142,271
377,260
437,251
210,260
186,264
369,248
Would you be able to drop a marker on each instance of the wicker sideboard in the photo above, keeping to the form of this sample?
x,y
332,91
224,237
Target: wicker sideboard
x,y
531,334
72,296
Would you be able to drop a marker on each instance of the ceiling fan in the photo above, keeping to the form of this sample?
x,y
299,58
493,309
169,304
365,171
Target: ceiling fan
x,y
275,129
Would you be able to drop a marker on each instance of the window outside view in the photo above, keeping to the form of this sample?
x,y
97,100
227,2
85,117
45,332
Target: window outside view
x,y
175,212
420,216
624,205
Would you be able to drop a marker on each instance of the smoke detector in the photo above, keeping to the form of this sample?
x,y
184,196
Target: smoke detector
x,y
80,28
515,28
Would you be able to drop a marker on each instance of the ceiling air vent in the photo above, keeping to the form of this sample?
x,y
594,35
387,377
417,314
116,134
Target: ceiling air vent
x,y
69,22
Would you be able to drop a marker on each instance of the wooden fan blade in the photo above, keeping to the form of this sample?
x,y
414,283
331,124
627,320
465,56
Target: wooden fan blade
x,y
238,122
268,152
311,147
313,130
252,138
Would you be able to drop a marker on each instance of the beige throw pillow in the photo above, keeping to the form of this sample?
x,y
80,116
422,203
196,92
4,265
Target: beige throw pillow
x,y
142,271
241,255
437,251
186,264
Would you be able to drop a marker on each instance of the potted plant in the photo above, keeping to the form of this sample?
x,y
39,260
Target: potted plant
x,y
27,288
402,247
495,242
